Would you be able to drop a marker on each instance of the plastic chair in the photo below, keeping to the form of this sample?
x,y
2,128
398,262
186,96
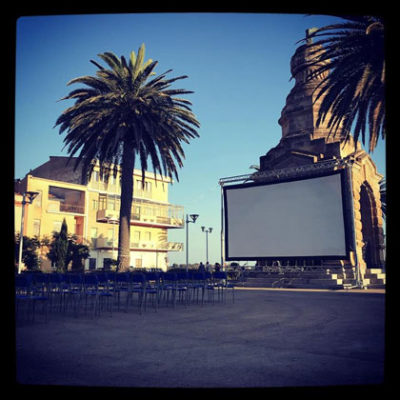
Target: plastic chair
x,y
121,286
210,286
168,287
72,292
54,291
105,292
197,285
222,283
25,296
183,287
152,288
136,285
90,294
40,283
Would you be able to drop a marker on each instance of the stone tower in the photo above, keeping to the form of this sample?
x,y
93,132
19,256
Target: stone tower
x,y
304,143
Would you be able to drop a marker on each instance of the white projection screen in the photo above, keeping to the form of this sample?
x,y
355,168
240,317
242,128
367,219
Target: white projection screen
x,y
302,218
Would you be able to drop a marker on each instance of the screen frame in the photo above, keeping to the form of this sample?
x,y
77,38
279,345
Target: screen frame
x,y
347,208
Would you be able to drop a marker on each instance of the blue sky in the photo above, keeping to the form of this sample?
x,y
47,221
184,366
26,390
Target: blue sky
x,y
238,65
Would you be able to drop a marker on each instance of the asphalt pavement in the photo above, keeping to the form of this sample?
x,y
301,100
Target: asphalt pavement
x,y
265,339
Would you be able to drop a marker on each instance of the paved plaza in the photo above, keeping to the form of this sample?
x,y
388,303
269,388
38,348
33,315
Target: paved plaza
x,y
266,338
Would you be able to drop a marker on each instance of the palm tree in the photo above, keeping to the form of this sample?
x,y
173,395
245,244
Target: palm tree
x,y
121,116
353,92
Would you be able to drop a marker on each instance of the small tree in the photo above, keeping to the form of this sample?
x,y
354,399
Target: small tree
x,y
29,252
59,248
76,253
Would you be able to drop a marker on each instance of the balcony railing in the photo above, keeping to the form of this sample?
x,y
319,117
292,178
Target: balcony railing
x,y
148,213
116,188
105,243
107,215
58,206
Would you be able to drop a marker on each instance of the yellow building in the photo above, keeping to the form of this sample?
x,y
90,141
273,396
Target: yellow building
x,y
91,210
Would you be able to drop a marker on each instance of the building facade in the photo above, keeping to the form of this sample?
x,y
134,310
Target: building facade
x,y
91,211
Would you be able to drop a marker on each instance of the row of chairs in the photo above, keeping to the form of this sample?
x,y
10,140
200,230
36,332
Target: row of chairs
x,y
93,293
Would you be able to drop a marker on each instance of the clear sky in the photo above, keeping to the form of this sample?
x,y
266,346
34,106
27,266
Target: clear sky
x,y
238,65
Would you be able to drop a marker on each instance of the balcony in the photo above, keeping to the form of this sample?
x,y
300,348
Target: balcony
x,y
65,200
107,215
58,206
148,213
105,243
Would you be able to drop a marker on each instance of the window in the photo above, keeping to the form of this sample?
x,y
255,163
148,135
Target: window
x,y
107,264
57,226
36,227
136,236
92,264
138,263
147,236
95,176
95,204
62,199
110,234
111,204
146,189
102,202
93,236
38,200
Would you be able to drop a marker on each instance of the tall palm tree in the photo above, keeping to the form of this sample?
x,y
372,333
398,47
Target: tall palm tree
x,y
353,92
121,116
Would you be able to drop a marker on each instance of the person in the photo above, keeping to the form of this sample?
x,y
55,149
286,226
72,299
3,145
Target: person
x,y
201,267
208,266
217,267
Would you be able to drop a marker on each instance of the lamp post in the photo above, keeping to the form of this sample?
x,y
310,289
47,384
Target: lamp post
x,y
27,198
207,231
193,218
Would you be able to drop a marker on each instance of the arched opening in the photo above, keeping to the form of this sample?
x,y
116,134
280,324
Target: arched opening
x,y
369,228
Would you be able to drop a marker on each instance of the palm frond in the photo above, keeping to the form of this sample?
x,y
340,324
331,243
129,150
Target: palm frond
x,y
350,56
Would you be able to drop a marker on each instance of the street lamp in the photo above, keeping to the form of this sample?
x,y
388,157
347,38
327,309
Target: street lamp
x,y
207,231
193,218
27,198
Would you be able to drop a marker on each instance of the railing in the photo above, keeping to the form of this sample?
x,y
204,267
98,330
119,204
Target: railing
x,y
116,188
166,246
148,213
107,215
99,185
102,242
57,206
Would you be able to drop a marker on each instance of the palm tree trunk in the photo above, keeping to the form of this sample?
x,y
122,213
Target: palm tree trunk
x,y
128,163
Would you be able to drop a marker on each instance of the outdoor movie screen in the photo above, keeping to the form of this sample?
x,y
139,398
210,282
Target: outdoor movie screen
x,y
302,218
